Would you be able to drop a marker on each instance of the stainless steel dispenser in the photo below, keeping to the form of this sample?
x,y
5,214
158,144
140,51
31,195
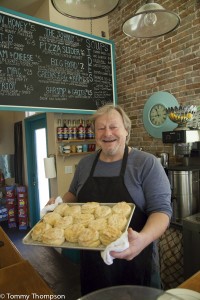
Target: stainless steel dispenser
x,y
185,193
184,176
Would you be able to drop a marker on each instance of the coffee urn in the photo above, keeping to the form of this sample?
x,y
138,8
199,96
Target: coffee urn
x,y
184,176
185,192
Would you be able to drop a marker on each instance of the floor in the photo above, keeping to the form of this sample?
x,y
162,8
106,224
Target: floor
x,y
59,271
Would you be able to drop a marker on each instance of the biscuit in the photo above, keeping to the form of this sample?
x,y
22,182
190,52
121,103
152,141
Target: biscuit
x,y
53,236
72,210
98,224
122,208
60,208
83,219
64,222
89,207
89,238
72,232
117,220
38,231
102,211
51,218
109,235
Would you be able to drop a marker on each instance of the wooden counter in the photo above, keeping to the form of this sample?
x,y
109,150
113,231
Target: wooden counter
x,y
192,283
17,276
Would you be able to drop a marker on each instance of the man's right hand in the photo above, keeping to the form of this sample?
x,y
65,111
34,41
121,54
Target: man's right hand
x,y
51,201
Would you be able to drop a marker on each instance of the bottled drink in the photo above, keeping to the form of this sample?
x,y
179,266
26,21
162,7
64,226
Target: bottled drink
x,y
80,130
69,130
92,130
84,127
65,131
59,130
88,131
74,130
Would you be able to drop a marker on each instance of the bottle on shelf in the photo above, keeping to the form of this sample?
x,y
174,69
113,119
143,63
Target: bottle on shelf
x,y
65,130
88,131
81,131
59,131
92,130
74,130
69,130
84,127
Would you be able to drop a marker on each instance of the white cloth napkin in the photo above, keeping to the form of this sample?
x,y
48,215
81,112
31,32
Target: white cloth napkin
x,y
50,207
119,245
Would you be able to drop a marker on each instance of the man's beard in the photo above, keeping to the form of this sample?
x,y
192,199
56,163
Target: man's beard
x,y
111,152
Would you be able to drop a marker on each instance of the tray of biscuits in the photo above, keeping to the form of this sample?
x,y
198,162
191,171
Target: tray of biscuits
x,y
90,225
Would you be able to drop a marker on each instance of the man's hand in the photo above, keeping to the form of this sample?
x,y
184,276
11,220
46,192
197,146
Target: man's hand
x,y
136,245
51,201
155,226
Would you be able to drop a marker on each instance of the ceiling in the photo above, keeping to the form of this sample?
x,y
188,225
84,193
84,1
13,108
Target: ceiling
x,y
29,7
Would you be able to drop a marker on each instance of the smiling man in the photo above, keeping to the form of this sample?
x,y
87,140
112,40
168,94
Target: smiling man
x,y
111,135
118,173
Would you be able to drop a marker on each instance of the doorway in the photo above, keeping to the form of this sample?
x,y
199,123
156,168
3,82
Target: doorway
x,y
36,148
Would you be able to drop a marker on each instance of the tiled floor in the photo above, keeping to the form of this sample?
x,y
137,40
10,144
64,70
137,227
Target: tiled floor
x,y
60,272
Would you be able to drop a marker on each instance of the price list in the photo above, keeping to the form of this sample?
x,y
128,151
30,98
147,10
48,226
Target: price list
x,y
43,65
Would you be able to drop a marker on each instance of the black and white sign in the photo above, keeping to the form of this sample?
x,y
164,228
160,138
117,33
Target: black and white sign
x,y
47,67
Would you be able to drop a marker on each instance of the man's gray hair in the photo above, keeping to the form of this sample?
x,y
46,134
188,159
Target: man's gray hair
x,y
109,107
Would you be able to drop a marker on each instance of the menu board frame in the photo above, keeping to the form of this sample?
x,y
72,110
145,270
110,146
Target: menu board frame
x,y
76,105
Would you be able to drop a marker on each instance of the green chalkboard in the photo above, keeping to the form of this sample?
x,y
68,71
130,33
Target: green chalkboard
x,y
47,67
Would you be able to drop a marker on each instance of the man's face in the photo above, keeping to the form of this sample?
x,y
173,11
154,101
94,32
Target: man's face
x,y
110,133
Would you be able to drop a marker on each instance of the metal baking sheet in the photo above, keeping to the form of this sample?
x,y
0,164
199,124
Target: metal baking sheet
x,y
29,241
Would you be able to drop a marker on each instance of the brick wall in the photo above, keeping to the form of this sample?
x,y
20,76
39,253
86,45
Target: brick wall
x,y
169,63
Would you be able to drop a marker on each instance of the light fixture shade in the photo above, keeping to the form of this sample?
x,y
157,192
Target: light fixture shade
x,y
85,9
151,20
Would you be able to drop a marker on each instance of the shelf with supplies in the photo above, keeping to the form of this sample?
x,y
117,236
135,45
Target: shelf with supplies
x,y
76,147
3,208
76,141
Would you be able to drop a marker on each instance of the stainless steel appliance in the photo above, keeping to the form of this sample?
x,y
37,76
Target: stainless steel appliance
x,y
185,187
181,136
184,177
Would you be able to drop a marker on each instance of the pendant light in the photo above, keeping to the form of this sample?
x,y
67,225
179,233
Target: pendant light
x,y
151,20
85,9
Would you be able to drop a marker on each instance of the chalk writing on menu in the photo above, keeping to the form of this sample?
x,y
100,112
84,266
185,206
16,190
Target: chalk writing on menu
x,y
46,66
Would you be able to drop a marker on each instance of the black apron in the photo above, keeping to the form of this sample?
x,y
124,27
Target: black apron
x,y
95,274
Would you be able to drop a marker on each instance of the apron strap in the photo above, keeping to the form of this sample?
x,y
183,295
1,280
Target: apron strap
x,y
94,163
124,161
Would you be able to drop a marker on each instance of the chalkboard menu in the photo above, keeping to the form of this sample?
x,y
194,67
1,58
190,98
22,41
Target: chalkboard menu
x,y
47,67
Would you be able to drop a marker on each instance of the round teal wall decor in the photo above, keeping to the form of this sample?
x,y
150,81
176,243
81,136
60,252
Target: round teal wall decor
x,y
155,117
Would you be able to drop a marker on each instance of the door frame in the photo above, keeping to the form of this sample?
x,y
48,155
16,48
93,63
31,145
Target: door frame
x,y
33,205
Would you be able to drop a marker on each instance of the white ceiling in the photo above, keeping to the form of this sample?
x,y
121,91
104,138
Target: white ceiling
x,y
29,7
